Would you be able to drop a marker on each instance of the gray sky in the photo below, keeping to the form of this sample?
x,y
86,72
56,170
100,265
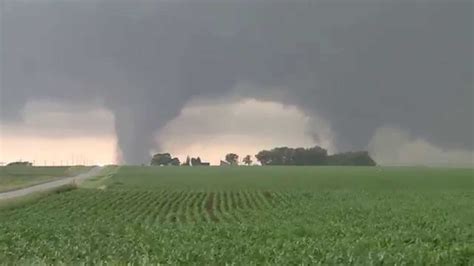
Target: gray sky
x,y
362,66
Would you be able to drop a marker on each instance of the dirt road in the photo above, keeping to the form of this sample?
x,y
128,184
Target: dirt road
x,y
49,185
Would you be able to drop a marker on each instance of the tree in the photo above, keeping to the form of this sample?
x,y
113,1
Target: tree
x,y
161,159
20,163
247,160
232,158
312,156
351,158
290,156
175,162
264,157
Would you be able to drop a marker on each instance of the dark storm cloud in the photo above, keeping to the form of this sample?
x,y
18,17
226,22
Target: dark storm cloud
x,y
359,64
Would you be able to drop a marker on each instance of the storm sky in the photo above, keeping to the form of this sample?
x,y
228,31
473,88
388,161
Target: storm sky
x,y
394,77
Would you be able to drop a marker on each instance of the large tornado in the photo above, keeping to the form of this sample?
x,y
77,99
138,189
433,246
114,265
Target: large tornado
x,y
360,66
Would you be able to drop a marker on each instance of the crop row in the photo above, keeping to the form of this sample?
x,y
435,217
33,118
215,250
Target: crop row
x,y
244,227
155,207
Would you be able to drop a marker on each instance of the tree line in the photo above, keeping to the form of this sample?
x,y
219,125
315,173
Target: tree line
x,y
277,156
20,163
165,159
312,156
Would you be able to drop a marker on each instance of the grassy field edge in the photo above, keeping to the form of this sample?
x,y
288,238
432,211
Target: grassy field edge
x,y
15,180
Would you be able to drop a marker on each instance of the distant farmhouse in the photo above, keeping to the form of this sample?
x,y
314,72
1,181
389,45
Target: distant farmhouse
x,y
197,162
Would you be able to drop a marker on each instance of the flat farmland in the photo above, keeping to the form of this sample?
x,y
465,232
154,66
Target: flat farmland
x,y
250,215
15,177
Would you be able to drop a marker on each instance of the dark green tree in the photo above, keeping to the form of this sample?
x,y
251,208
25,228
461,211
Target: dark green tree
x,y
20,163
247,160
312,156
175,162
264,157
232,158
161,159
290,156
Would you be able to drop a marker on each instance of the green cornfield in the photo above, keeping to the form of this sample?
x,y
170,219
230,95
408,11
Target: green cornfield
x,y
249,216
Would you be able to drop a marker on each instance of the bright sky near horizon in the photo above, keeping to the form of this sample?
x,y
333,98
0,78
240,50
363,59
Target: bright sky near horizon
x,y
54,136
51,134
